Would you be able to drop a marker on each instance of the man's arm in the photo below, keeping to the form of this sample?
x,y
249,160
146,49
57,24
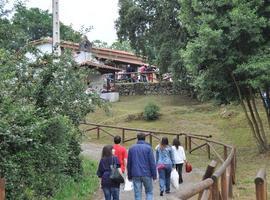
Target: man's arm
x,y
129,164
152,165
125,162
125,159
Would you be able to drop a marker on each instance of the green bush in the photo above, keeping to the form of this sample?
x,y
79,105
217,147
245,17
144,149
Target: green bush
x,y
151,112
41,105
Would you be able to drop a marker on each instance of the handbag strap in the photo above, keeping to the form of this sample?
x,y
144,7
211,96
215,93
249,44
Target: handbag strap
x,y
113,162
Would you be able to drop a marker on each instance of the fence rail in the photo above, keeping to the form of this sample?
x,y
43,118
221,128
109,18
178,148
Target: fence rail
x,y
215,185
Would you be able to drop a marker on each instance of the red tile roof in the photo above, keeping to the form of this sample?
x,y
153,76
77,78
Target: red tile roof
x,y
100,67
100,53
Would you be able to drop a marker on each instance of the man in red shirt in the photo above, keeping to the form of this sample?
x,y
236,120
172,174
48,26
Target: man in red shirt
x,y
121,153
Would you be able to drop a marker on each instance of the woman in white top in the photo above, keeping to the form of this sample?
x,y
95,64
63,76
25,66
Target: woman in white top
x,y
179,157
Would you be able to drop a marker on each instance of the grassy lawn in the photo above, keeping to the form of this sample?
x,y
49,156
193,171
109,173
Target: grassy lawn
x,y
181,114
83,189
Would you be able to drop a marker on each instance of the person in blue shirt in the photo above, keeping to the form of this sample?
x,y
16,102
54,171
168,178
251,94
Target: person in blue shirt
x,y
109,187
165,162
141,167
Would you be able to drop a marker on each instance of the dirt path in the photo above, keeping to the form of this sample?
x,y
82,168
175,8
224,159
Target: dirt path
x,y
93,151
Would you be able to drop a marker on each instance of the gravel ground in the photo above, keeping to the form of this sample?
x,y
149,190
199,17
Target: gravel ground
x,y
93,151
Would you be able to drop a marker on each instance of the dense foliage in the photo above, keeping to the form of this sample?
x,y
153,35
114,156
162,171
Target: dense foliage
x,y
218,49
152,29
30,24
41,104
228,54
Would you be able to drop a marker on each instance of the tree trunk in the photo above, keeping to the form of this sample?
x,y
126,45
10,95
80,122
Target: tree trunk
x,y
256,126
251,121
259,120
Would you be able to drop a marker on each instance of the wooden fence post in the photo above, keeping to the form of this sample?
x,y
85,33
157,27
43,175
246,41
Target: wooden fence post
x,y
150,139
230,186
210,169
98,132
189,144
208,173
225,152
215,189
208,151
186,141
260,185
233,168
123,136
2,188
224,185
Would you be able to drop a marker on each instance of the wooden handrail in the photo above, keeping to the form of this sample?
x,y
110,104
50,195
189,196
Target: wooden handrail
x,y
261,185
211,187
145,131
196,189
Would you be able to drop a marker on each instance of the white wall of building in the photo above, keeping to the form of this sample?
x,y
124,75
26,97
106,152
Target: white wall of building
x,y
79,57
82,56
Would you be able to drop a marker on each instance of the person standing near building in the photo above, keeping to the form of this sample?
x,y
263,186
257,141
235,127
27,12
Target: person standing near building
x,y
165,162
179,156
141,167
142,73
120,152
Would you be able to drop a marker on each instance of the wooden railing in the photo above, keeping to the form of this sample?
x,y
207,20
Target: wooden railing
x,y
261,185
216,185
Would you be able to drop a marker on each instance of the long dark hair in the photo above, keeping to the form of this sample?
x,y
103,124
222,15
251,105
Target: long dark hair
x,y
164,142
176,143
107,151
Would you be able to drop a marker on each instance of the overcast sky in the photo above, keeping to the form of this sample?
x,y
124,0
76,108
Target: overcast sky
x,y
100,14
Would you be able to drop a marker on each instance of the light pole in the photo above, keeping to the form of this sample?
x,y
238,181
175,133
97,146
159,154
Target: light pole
x,y
56,28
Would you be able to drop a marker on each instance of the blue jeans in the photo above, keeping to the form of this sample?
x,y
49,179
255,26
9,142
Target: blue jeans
x,y
111,193
148,186
165,178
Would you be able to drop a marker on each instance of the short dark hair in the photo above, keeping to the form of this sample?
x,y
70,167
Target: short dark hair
x,y
140,136
117,139
107,151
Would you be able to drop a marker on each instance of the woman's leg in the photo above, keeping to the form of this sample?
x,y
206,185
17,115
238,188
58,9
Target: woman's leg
x,y
168,171
179,170
115,193
107,193
161,173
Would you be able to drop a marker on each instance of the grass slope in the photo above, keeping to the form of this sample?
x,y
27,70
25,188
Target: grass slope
x,y
84,188
181,114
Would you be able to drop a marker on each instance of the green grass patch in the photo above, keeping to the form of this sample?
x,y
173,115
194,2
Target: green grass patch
x,y
84,188
181,114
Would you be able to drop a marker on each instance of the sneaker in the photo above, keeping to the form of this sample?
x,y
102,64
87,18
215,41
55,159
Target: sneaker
x,y
161,193
167,192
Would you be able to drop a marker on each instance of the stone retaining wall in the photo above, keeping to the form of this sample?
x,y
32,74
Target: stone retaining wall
x,y
163,88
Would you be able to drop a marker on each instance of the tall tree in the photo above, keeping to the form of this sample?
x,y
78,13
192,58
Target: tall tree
x,y
122,45
153,29
226,38
100,44
36,23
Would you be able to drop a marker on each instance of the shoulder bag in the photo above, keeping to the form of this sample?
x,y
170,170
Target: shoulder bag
x,y
115,175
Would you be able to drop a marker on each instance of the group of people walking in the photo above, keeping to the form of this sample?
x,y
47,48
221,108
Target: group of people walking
x,y
140,166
